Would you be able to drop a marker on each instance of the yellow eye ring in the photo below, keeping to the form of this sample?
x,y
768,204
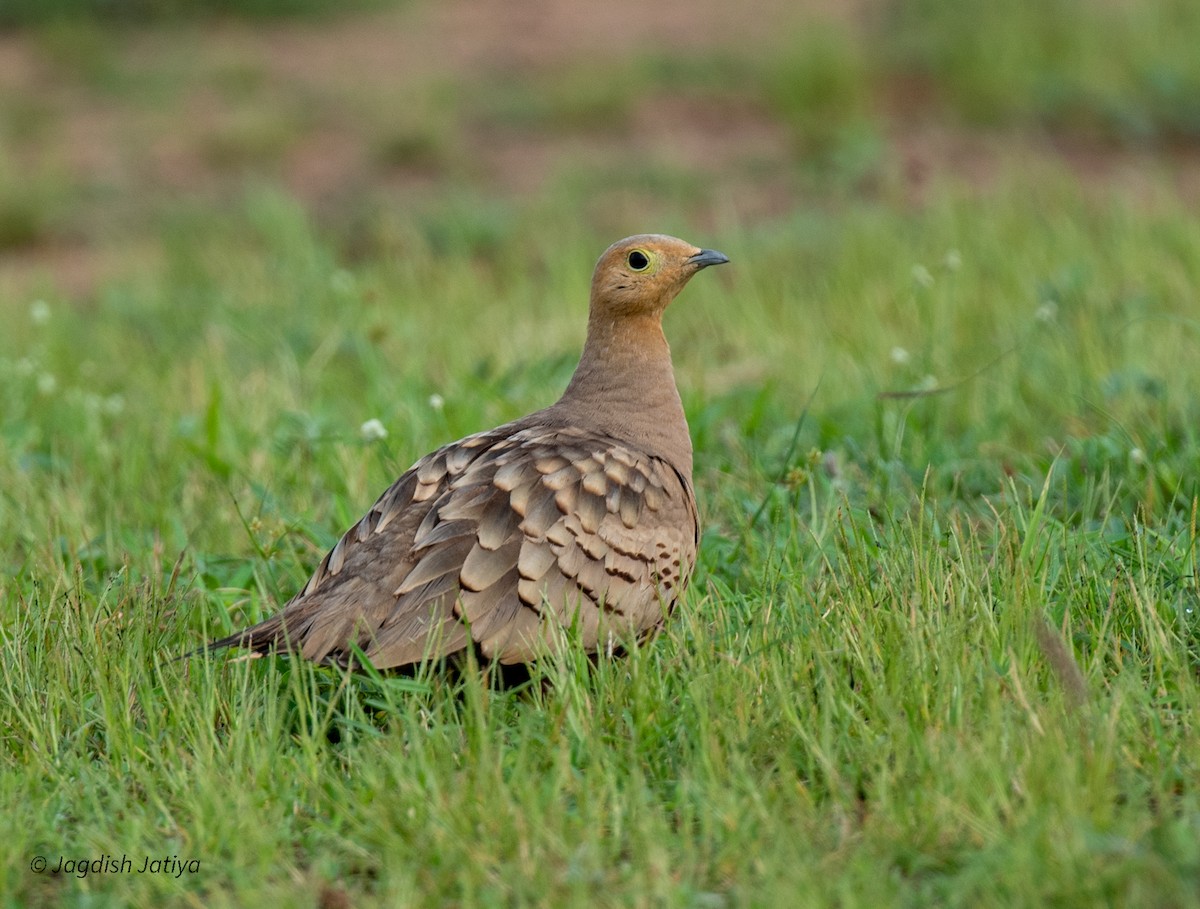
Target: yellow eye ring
x,y
638,259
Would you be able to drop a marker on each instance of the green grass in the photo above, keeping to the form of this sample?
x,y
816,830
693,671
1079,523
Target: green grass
x,y
941,649
1124,70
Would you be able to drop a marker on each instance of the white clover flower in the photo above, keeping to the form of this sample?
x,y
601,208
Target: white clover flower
x,y
39,312
953,260
372,431
437,402
1046,312
1137,456
922,275
46,383
900,356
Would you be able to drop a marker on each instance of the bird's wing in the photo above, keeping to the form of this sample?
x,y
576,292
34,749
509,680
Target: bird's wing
x,y
497,539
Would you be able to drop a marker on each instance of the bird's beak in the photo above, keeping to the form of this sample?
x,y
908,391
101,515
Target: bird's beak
x,y
707,257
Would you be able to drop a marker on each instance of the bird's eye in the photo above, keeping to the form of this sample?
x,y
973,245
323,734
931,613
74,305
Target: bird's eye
x,y
638,260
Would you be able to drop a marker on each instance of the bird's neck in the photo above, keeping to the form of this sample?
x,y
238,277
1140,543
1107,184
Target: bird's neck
x,y
624,386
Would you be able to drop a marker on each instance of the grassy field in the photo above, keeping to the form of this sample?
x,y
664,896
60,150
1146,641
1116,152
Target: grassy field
x,y
943,644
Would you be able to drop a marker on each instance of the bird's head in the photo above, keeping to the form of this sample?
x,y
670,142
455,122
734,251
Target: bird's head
x,y
641,275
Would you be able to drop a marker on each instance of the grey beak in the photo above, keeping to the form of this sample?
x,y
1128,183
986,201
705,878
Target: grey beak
x,y
707,257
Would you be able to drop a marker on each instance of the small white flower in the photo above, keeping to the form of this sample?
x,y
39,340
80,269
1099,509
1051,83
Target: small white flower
x,y
372,431
39,312
1046,312
437,402
46,383
1137,456
922,275
831,465
953,260
114,404
900,356
928,383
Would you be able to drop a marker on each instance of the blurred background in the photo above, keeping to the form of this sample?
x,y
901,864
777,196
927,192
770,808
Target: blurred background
x,y
122,120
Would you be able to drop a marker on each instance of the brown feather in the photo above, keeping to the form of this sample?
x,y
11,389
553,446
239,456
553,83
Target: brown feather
x,y
491,609
483,567
518,641
440,560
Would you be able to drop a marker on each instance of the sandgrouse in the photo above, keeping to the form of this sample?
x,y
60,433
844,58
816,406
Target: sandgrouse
x,y
580,516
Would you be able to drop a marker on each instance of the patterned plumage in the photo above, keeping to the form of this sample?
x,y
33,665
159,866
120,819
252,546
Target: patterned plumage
x,y
580,515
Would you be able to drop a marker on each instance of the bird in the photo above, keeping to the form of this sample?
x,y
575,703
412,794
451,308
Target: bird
x,y
577,522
